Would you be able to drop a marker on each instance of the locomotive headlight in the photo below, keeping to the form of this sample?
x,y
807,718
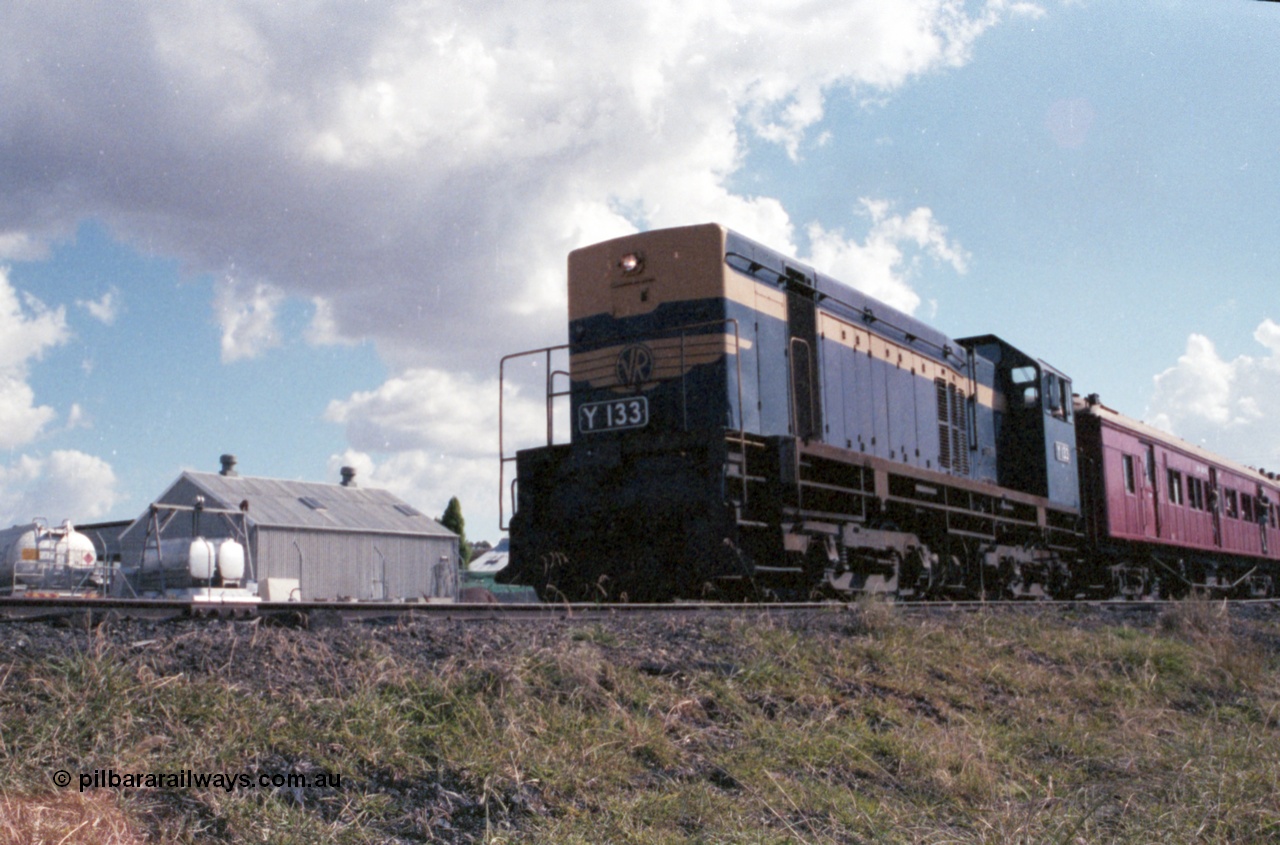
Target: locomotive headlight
x,y
631,263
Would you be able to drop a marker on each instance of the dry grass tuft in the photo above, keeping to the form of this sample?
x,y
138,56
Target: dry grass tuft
x,y
1196,616
870,615
73,818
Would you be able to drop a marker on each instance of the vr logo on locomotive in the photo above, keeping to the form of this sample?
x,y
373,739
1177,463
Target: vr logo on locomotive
x,y
635,365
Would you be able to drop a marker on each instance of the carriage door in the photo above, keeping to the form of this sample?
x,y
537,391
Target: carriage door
x,y
802,350
1150,497
1262,513
1215,506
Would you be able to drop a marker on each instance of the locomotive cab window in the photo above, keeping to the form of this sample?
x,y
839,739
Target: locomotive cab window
x,y
1057,394
1026,383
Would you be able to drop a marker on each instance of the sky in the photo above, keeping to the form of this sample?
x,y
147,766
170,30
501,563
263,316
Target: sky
x,y
306,233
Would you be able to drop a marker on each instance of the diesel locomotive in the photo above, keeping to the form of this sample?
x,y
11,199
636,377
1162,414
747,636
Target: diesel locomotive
x,y
744,426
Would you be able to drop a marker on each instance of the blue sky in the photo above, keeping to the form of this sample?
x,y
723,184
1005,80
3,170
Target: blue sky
x,y
307,234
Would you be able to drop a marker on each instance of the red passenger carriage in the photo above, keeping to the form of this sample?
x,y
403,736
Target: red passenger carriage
x,y
1166,515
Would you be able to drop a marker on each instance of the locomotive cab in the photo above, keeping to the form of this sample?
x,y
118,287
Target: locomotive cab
x,y
1033,423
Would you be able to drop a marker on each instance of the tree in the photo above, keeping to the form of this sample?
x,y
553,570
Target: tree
x,y
453,520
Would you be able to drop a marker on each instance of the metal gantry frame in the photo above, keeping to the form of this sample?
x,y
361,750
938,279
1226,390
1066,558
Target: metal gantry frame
x,y
236,519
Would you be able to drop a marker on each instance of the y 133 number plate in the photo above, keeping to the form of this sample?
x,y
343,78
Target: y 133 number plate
x,y
615,414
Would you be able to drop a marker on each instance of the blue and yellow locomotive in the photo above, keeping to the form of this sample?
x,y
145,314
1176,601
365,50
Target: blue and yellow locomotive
x,y
744,425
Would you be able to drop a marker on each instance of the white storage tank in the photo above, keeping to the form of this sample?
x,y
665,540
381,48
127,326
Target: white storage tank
x,y
202,559
196,558
73,549
35,556
230,561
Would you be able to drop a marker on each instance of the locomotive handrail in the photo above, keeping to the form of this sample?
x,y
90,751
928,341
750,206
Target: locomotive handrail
x,y
551,396
868,315
738,434
811,382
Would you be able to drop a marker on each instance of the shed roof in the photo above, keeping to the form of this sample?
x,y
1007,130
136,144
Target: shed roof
x,y
278,503
492,560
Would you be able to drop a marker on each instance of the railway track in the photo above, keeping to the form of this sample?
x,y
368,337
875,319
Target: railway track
x,y
316,613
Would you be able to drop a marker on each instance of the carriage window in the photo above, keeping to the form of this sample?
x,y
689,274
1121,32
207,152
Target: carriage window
x,y
1175,487
1130,481
1246,507
1233,509
1195,493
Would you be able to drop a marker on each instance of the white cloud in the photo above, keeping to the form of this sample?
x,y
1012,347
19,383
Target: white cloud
x,y
21,420
428,479
880,266
425,167
21,246
105,309
27,329
247,319
427,435
323,330
1227,406
77,418
435,410
65,485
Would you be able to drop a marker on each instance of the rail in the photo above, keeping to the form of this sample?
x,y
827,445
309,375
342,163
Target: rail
x,y
313,614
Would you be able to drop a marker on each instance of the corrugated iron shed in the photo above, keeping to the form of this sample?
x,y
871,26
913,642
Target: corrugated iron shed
x,y
336,540
313,506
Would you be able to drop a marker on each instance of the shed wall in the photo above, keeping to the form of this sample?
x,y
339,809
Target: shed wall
x,y
335,564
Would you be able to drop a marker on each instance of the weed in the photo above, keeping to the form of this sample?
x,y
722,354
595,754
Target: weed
x,y
860,724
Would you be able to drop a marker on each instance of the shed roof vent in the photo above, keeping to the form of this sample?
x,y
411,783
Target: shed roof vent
x,y
349,477
228,465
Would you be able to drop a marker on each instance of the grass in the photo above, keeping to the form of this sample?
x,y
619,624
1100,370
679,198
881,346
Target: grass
x,y
857,725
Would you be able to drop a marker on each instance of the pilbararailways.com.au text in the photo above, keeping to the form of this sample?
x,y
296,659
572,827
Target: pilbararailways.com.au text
x,y
187,779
